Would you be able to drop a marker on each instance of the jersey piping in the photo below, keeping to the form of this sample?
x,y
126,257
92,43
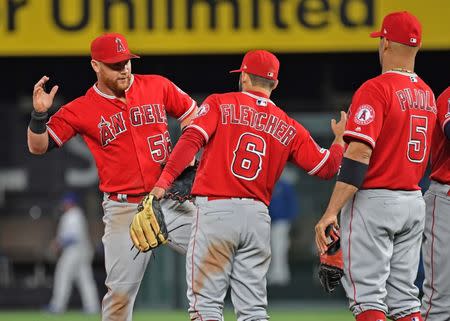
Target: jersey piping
x,y
366,138
445,123
322,162
54,136
188,112
202,131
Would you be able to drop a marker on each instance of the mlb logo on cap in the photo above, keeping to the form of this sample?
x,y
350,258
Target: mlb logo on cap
x,y
401,27
260,63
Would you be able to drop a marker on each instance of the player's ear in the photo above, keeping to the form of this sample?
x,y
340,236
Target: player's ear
x,y
386,44
95,65
275,85
245,78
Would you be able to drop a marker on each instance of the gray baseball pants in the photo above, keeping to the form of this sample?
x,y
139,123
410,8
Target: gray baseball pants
x,y
381,235
124,272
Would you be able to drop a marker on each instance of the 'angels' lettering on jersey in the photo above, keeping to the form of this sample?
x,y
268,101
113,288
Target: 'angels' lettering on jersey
x,y
260,121
139,115
416,99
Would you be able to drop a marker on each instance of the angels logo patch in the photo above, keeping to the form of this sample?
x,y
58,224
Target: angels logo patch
x,y
202,110
364,115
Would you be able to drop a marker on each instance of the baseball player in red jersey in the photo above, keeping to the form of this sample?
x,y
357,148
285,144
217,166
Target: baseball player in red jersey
x,y
123,120
248,140
435,250
389,130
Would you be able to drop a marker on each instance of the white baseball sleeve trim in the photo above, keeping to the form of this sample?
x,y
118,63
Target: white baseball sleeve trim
x,y
363,137
204,133
445,123
54,136
322,162
189,111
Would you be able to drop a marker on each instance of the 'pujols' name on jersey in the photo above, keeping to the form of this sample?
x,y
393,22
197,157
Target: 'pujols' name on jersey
x,y
417,99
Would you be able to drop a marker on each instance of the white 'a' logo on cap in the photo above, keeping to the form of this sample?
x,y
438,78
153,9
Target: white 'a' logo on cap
x,y
270,74
120,46
413,40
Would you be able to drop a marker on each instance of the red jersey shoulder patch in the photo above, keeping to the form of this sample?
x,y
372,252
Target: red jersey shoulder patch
x,y
364,115
202,110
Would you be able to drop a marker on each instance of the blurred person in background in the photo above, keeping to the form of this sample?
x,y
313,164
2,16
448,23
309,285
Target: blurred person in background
x,y
75,261
283,209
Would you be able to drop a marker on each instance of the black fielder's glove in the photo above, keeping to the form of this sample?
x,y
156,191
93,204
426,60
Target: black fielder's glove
x,y
148,229
331,262
180,190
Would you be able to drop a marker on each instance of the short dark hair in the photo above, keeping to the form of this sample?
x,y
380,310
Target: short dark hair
x,y
262,82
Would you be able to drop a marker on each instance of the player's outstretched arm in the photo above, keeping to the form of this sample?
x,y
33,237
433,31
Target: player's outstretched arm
x,y
37,130
185,150
331,166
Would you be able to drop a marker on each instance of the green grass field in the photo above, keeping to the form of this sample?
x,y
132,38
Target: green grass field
x,y
276,315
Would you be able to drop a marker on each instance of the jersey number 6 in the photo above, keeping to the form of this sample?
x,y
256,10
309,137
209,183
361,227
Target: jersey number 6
x,y
247,160
417,144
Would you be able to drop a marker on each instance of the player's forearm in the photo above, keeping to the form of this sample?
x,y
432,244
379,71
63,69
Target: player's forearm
x,y
185,150
37,143
341,194
185,122
339,140
331,166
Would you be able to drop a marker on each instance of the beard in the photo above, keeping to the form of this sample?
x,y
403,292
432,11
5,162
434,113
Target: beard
x,y
119,84
240,84
122,84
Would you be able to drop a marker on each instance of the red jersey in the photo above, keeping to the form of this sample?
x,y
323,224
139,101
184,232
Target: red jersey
x,y
440,145
129,141
394,113
249,140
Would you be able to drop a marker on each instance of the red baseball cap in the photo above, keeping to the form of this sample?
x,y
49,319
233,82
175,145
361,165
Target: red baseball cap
x,y
401,27
260,63
111,48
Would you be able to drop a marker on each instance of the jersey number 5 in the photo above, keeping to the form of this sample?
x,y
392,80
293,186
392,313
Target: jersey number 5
x,y
247,160
160,146
417,145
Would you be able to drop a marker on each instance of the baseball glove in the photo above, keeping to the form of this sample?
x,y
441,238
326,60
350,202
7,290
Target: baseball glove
x,y
331,263
148,229
180,190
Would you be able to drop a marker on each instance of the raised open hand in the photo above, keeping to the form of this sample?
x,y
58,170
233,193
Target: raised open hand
x,y
42,101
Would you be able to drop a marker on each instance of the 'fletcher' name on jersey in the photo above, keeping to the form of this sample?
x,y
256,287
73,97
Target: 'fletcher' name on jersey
x,y
139,115
260,121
